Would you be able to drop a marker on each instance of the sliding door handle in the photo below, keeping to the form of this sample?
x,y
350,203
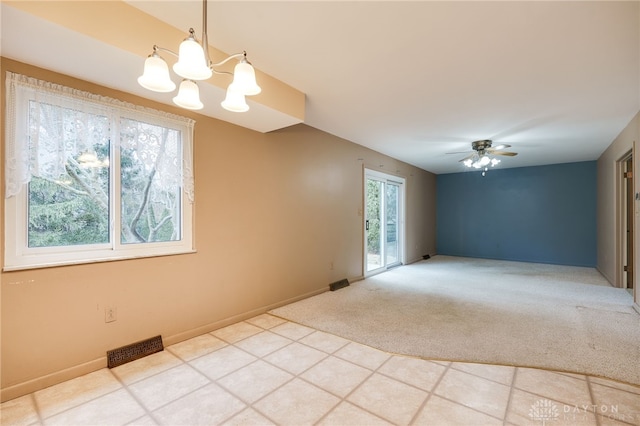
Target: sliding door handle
x,y
366,225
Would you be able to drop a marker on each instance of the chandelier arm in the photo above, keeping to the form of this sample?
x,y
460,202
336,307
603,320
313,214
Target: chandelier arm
x,y
224,61
221,72
164,49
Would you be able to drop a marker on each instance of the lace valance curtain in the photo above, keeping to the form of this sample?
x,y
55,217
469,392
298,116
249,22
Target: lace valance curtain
x,y
63,122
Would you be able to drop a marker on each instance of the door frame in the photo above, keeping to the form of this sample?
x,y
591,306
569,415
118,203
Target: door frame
x,y
620,225
401,182
624,211
622,217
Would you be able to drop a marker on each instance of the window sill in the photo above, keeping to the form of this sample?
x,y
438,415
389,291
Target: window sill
x,y
55,264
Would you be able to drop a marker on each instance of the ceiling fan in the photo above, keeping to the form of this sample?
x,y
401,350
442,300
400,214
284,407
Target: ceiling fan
x,y
481,157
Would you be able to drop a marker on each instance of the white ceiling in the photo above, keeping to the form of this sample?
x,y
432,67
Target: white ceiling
x,y
415,80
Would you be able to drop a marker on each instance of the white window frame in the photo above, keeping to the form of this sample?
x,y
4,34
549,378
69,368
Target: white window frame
x,y
17,253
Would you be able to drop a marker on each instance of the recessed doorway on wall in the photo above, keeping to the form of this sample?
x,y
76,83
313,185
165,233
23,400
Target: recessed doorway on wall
x,y
626,216
383,221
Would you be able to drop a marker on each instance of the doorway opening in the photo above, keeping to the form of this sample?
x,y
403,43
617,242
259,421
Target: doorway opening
x,y
383,221
626,213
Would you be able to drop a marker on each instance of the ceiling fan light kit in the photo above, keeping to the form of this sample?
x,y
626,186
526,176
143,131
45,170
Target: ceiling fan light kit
x,y
482,157
194,65
481,162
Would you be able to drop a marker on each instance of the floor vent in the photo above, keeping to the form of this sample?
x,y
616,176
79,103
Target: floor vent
x,y
339,284
134,351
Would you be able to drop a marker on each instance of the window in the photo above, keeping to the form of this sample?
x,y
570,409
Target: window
x,y
90,178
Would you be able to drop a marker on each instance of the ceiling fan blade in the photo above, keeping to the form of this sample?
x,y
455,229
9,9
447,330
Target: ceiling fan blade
x,y
507,153
499,147
458,152
467,157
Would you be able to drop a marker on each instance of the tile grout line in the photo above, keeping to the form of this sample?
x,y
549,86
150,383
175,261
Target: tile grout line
x,y
181,361
405,383
66,410
35,405
593,400
477,375
150,412
194,390
215,381
430,394
188,363
250,404
619,389
344,399
540,395
262,358
299,375
509,400
466,406
135,398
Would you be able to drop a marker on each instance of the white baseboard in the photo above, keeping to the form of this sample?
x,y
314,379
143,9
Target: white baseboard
x,y
611,281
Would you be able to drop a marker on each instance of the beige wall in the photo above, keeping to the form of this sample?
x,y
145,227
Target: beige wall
x,y
273,212
608,188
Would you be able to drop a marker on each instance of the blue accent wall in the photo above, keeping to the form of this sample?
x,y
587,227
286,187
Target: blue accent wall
x,y
544,214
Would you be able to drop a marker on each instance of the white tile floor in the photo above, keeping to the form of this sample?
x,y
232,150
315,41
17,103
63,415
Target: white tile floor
x,y
267,371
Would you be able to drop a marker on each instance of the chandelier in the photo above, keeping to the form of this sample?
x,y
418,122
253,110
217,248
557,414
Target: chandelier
x,y
194,65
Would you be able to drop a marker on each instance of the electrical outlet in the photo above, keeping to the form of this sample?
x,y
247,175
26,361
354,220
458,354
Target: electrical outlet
x,y
110,314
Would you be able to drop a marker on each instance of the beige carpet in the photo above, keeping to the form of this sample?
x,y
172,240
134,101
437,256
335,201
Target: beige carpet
x,y
477,310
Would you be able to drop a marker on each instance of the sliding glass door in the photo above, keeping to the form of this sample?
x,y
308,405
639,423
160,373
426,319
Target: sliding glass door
x,y
392,206
383,222
373,224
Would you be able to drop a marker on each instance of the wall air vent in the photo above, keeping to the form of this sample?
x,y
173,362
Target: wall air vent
x,y
339,284
134,351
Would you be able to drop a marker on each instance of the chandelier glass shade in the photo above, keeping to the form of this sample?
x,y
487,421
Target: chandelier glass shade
x,y
244,79
156,75
481,161
188,96
194,65
191,60
234,101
